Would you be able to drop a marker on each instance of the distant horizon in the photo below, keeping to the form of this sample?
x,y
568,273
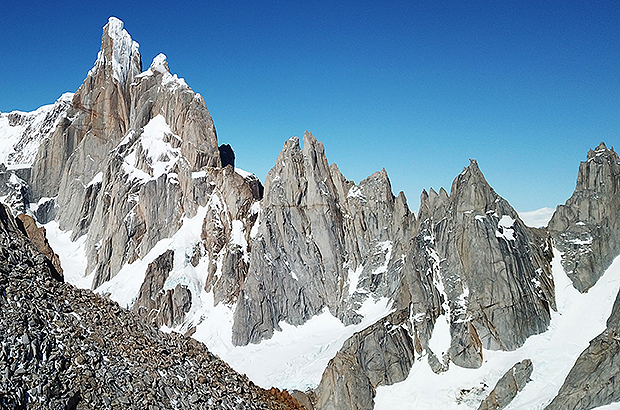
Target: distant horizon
x,y
524,88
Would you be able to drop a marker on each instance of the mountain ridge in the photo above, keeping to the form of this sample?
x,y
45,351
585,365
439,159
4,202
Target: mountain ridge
x,y
133,165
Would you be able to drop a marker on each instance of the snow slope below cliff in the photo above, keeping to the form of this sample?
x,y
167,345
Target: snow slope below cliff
x,y
295,357
579,319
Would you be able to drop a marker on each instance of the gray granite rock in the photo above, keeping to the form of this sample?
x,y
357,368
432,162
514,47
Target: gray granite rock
x,y
493,271
156,304
381,354
587,228
508,386
471,260
321,241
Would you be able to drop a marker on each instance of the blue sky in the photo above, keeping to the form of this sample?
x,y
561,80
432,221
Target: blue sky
x,y
524,87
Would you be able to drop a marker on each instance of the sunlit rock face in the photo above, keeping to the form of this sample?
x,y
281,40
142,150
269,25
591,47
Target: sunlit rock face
x,y
479,278
321,241
587,228
121,162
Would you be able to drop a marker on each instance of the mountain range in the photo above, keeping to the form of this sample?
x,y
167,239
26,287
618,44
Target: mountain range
x,y
334,291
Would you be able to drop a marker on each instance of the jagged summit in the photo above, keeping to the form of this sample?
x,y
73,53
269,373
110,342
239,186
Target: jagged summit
x,y
160,64
118,53
587,227
602,148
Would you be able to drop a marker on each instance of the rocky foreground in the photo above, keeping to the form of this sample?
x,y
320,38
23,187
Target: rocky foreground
x,y
66,348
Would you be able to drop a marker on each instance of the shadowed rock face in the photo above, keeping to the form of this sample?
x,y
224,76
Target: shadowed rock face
x,y
37,237
587,228
227,155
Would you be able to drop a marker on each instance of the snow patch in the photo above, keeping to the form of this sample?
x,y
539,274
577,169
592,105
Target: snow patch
x,y
72,254
440,340
244,174
353,278
356,192
96,179
156,149
237,237
161,154
255,209
125,286
504,228
578,241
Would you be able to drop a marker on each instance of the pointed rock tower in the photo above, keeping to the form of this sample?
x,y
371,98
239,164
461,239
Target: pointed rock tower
x,y
587,228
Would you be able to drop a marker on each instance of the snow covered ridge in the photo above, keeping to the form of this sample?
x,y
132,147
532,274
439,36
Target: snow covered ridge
x,y
160,66
21,133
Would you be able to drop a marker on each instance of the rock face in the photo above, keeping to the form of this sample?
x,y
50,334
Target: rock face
x,y
158,305
472,264
508,386
380,354
593,380
492,270
587,228
22,134
321,242
67,348
134,154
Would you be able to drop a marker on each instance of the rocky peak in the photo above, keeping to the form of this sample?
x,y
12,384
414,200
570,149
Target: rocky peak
x,y
432,204
127,135
119,55
471,191
476,237
587,228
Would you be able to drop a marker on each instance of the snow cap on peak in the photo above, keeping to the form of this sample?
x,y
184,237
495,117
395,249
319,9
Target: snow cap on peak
x,y
120,51
115,27
160,64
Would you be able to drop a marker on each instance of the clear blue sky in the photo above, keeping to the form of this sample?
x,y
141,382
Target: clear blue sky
x,y
524,87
